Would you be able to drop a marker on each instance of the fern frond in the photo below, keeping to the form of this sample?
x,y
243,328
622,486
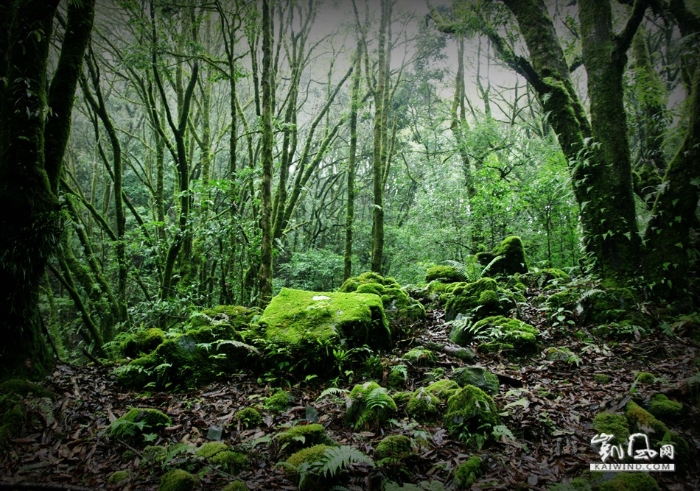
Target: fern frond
x,y
379,399
336,391
337,459
237,344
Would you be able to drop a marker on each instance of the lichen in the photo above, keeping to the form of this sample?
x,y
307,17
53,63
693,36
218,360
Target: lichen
x,y
468,472
177,480
478,377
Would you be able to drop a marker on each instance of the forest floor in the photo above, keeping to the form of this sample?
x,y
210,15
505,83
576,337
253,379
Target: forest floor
x,y
552,405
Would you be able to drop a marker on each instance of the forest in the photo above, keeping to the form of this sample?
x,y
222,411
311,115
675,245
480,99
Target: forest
x,y
349,244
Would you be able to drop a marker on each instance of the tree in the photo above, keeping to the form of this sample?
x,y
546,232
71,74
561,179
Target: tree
x,y
34,130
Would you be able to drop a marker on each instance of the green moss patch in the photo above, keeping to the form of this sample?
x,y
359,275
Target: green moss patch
x,y
302,436
468,472
630,481
443,389
470,413
178,480
444,274
499,333
422,405
369,406
393,448
419,356
664,408
235,486
279,401
612,424
248,417
397,304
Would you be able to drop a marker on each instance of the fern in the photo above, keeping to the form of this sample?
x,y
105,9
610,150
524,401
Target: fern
x,y
334,391
401,369
236,344
336,459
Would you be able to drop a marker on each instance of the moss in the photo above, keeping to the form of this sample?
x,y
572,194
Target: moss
x,y
232,462
422,405
402,398
642,420
118,477
630,481
310,454
489,300
664,408
608,305
154,454
645,378
468,472
547,277
681,450
144,341
302,436
612,424
470,408
236,486
369,406
465,298
565,299
554,353
395,447
443,389
576,484
305,325
278,402
444,274
248,416
396,379
24,388
210,449
419,356
507,258
138,422
478,377
177,480
11,424
397,304
503,331
601,378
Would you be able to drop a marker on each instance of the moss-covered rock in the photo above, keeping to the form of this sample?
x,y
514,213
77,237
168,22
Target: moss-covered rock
x,y
302,436
308,456
236,486
393,447
473,299
118,477
303,327
444,274
468,472
178,480
397,304
471,409
601,378
645,378
419,356
630,481
478,377
543,278
369,406
195,356
664,408
422,405
556,353
443,389
401,398
248,417
610,305
640,420
397,377
154,454
507,258
24,388
142,342
138,422
612,424
279,401
220,455
503,332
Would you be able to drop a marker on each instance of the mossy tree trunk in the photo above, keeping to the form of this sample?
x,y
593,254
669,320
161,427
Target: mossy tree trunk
x,y
32,143
352,156
265,273
668,234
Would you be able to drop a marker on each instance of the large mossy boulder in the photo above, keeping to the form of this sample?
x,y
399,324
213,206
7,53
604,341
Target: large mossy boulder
x,y
304,327
444,274
205,347
500,333
505,259
397,304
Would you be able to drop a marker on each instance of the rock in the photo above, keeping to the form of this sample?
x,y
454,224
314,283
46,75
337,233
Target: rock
x,y
630,481
308,325
236,486
478,377
443,389
419,356
393,447
422,405
369,406
444,274
397,304
507,258
220,455
503,333
469,411
177,480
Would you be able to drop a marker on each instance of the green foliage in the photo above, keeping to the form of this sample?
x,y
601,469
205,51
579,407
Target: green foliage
x,y
369,406
471,415
317,466
248,416
317,270
419,356
178,480
279,401
468,472
139,424
630,481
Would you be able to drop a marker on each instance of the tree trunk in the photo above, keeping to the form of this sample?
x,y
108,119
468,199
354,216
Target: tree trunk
x,y
350,210
30,222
